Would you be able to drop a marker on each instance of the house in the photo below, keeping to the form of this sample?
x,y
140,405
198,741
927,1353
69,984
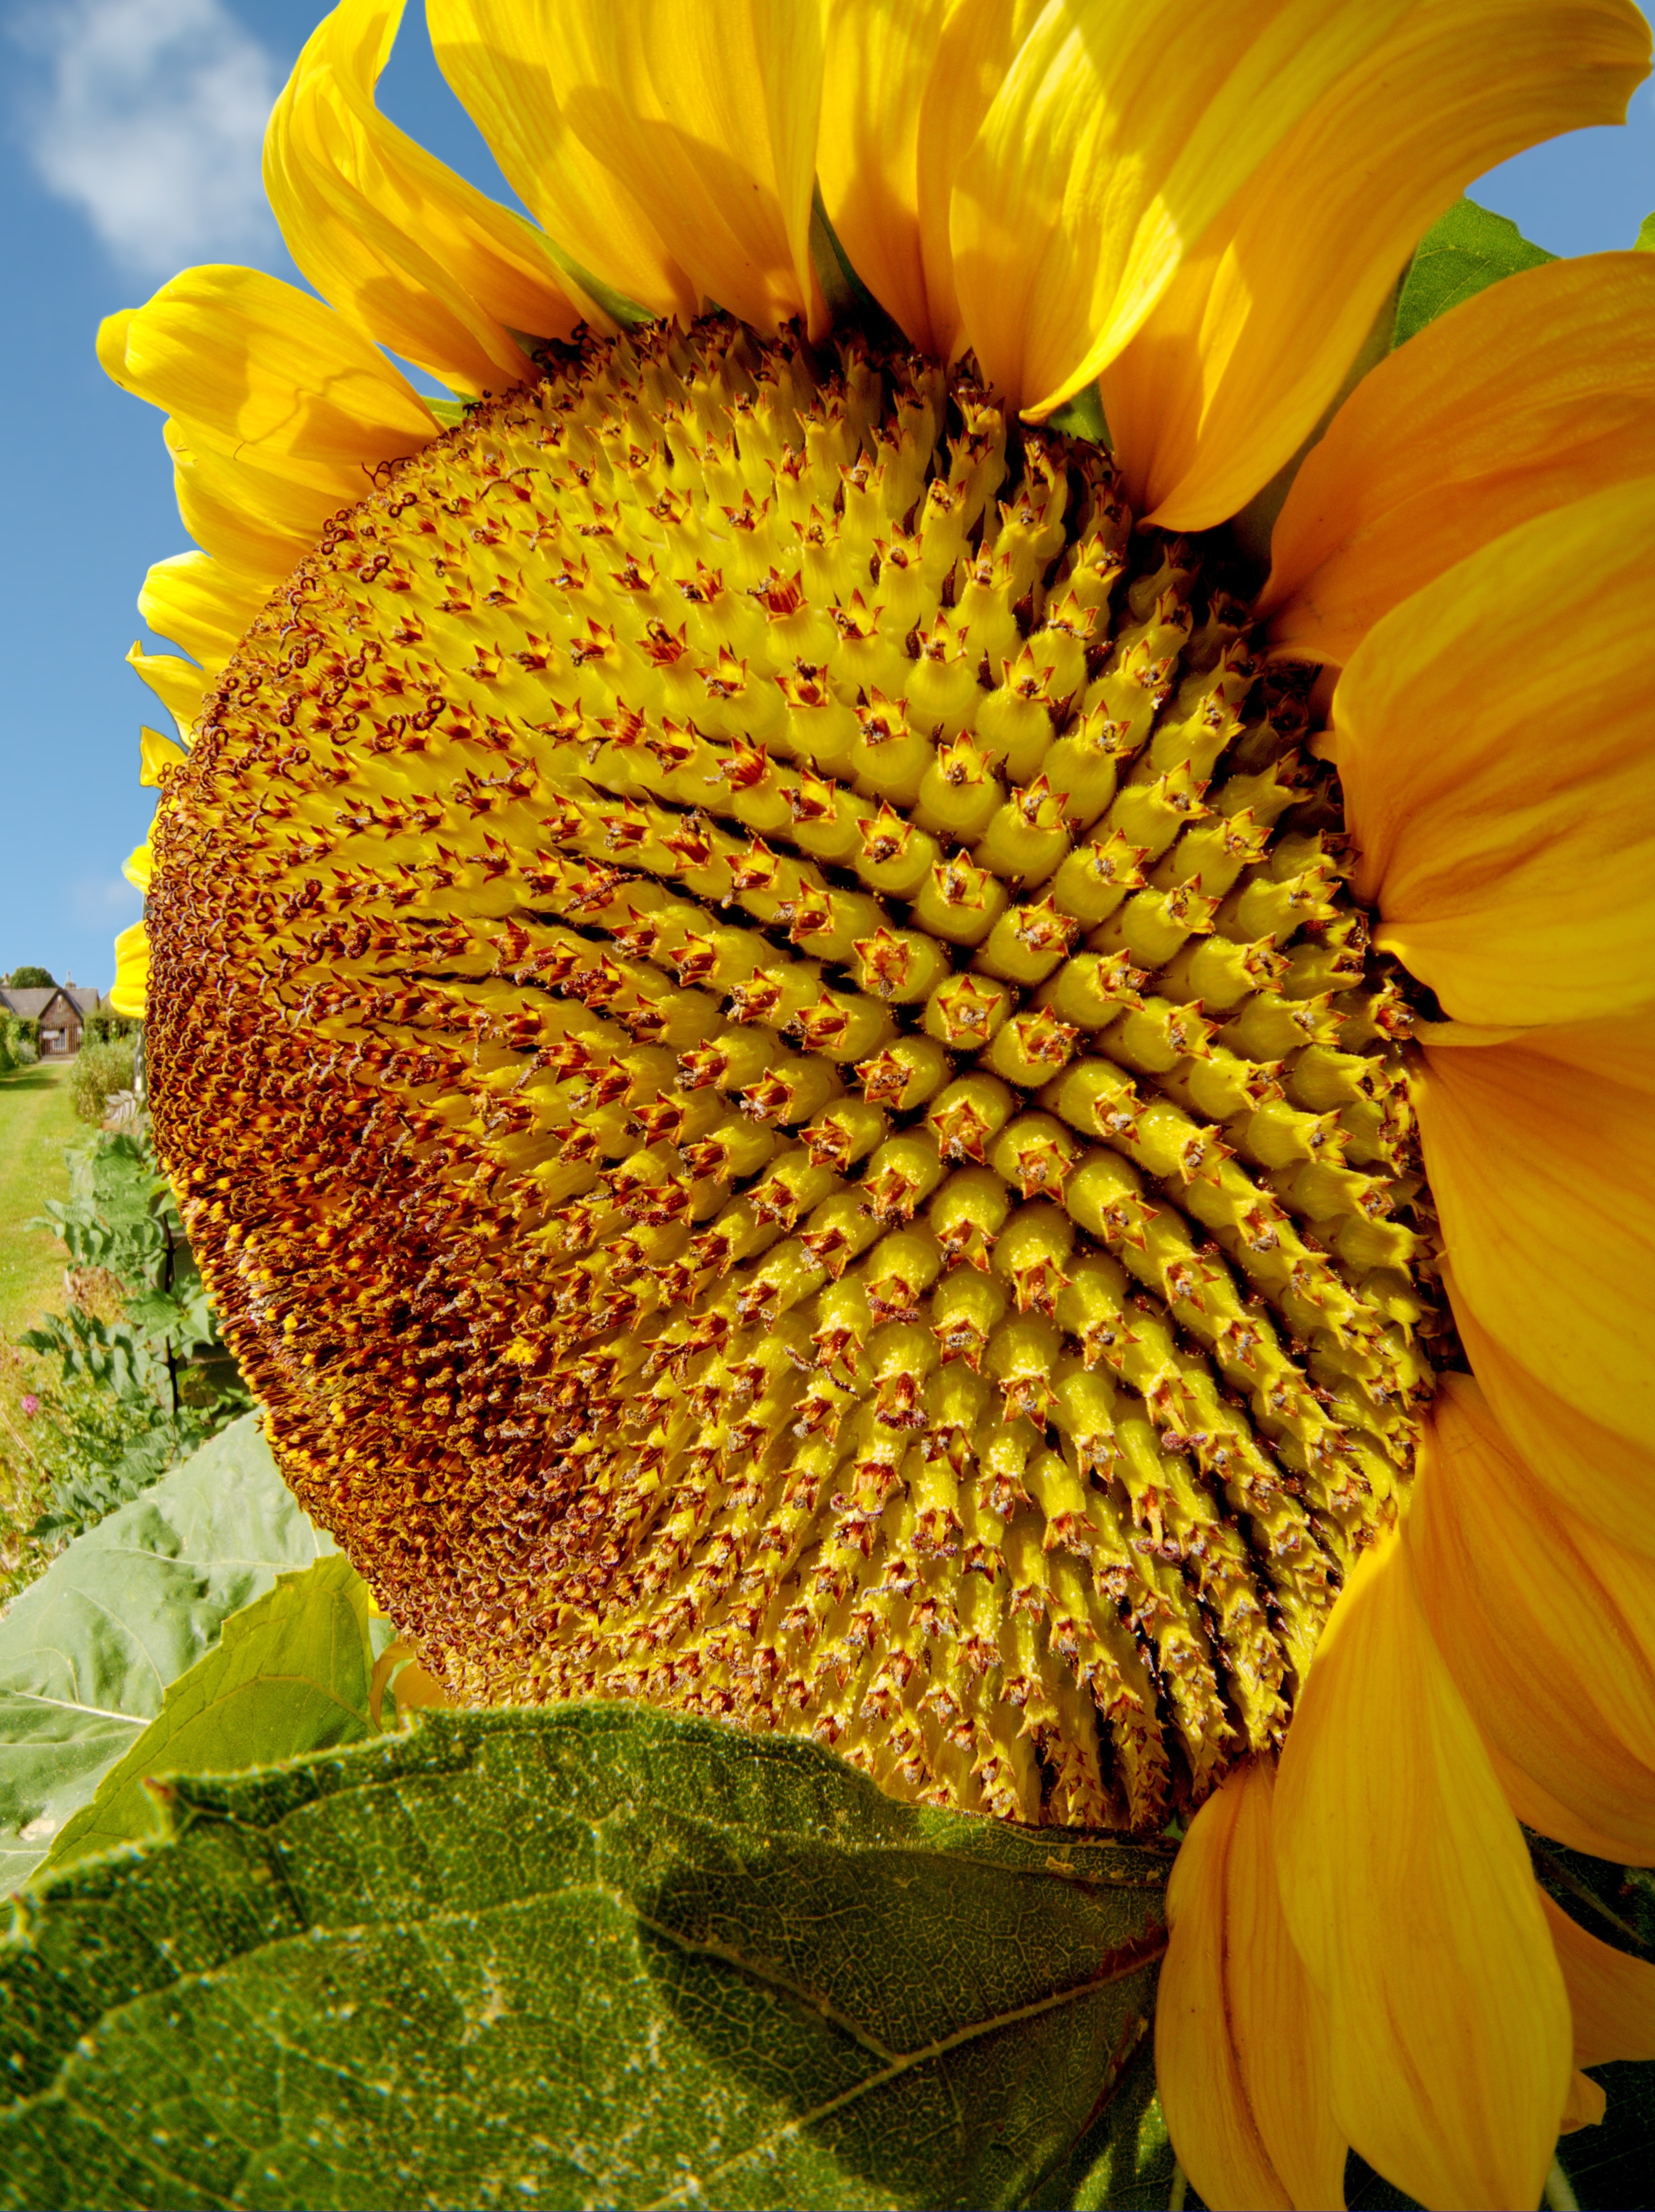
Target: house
x,y
61,1013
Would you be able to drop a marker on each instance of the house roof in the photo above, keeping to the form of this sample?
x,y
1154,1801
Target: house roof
x,y
31,1003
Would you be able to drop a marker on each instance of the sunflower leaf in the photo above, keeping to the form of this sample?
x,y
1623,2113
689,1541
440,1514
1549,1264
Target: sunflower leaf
x,y
288,1675
88,1652
1123,2162
580,1955
1464,251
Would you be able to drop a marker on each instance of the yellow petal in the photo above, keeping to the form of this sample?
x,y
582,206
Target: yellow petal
x,y
260,524
1492,737
877,64
1407,1892
179,684
1120,136
1608,1480
975,48
139,866
1537,390
1252,339
710,114
131,972
1241,2060
408,252
255,369
1540,1162
156,755
200,605
499,56
904,90
1611,1994
1548,1629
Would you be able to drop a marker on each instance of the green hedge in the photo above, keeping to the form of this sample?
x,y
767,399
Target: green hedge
x,y
104,1027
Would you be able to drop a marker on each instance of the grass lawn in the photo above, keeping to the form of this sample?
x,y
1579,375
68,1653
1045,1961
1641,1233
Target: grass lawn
x,y
36,1126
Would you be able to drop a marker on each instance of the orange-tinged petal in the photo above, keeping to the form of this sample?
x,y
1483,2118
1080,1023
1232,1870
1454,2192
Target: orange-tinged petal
x,y
255,369
1540,1162
1537,390
878,64
1408,1894
1253,338
1607,1480
1209,2113
1492,739
1586,2104
1241,2058
1548,1629
1611,1994
408,253
179,684
710,114
499,57
200,605
131,972
1538,1809
1123,130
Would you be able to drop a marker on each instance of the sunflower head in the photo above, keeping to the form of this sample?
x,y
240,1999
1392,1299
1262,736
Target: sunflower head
x,y
779,1084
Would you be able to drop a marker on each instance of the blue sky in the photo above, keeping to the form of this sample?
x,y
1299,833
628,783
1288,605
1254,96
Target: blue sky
x,y
129,137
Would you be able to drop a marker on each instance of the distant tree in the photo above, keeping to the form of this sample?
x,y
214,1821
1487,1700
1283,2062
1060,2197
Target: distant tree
x,y
32,979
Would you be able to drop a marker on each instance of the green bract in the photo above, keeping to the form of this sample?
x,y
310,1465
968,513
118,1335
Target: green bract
x,y
1464,251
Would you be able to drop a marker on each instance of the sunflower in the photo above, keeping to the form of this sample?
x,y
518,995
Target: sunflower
x,y
822,1079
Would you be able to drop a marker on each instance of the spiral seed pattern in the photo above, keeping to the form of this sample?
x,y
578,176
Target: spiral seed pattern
x,y
771,1066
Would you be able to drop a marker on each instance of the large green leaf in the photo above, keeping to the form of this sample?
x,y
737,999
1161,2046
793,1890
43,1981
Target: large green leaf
x,y
87,1653
586,1956
1123,2162
1463,254
288,1675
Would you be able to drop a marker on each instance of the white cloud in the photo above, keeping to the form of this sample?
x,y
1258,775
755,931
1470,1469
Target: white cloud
x,y
148,116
